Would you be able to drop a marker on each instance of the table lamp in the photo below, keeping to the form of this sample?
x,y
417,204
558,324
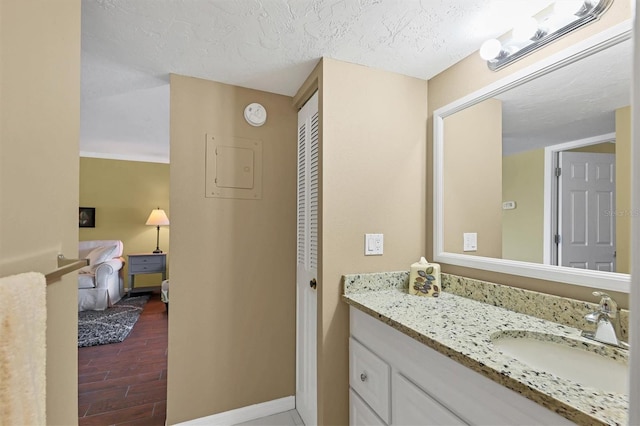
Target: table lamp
x,y
158,218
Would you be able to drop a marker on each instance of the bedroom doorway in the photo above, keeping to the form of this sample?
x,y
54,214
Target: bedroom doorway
x,y
579,217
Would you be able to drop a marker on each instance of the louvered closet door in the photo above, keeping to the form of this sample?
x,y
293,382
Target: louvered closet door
x,y
307,262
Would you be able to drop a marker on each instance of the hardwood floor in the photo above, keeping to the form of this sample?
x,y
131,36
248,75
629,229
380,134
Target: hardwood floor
x,y
126,383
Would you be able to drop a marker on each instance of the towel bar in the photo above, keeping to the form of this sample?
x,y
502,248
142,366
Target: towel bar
x,y
64,267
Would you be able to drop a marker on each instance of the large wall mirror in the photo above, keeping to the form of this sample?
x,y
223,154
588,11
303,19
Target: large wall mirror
x,y
532,173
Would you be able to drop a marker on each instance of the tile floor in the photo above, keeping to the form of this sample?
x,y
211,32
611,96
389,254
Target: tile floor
x,y
288,418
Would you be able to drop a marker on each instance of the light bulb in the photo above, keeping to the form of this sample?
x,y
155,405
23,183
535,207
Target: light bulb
x,y
567,8
525,29
490,49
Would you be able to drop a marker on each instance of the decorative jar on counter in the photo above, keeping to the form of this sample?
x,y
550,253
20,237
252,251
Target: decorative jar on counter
x,y
424,279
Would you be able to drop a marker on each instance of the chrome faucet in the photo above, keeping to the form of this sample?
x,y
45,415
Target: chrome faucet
x,y
607,321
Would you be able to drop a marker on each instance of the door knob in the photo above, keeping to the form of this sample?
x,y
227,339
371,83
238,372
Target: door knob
x,y
313,284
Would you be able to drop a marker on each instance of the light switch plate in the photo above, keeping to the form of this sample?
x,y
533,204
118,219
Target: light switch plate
x,y
373,244
470,241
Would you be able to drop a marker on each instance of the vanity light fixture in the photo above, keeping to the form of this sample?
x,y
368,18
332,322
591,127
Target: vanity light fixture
x,y
560,19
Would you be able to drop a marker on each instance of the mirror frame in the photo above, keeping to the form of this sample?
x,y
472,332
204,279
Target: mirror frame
x,y
587,278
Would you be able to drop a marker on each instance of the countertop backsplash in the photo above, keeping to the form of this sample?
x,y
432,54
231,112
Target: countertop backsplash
x,y
561,310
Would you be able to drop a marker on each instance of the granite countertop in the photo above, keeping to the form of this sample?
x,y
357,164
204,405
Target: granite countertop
x,y
462,329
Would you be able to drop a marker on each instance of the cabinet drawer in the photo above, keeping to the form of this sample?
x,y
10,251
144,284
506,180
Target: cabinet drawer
x,y
146,260
413,406
369,376
360,414
147,264
139,269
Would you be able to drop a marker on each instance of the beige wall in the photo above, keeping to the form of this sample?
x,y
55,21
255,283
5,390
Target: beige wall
x,y
623,190
523,227
472,177
123,194
600,148
373,181
39,130
472,74
232,322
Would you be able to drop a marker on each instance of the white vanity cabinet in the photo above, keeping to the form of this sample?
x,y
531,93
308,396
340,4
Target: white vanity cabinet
x,y
369,376
413,406
396,380
359,412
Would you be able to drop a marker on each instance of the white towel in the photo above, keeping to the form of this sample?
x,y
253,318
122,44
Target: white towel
x,y
23,322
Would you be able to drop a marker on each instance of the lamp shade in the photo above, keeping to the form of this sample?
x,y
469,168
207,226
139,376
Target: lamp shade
x,y
158,218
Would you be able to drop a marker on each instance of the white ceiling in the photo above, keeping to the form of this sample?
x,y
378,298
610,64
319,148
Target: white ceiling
x,y
129,47
574,102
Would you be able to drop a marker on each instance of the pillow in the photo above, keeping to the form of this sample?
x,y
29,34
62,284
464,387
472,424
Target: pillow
x,y
99,255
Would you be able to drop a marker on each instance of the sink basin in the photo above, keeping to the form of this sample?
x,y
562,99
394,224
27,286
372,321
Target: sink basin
x,y
592,365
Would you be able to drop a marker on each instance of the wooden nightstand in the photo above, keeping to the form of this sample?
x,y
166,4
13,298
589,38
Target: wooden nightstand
x,y
146,263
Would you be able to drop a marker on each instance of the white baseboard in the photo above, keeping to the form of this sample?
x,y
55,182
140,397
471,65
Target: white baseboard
x,y
245,414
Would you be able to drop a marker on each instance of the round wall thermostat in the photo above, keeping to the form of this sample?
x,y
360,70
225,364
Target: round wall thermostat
x,y
255,114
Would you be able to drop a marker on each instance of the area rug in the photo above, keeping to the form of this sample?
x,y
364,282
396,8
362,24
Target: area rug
x,y
112,325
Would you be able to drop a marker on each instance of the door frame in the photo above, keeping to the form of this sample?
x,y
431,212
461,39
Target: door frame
x,y
550,217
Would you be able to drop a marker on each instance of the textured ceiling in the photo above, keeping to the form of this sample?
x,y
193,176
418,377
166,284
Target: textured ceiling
x,y
129,47
571,103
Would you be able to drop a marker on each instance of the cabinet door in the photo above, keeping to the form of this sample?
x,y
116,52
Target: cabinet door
x,y
412,406
359,412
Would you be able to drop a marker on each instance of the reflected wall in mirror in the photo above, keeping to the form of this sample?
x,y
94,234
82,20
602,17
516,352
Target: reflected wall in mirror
x,y
540,169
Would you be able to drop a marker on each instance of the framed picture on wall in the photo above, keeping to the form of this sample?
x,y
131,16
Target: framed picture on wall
x,y
87,217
